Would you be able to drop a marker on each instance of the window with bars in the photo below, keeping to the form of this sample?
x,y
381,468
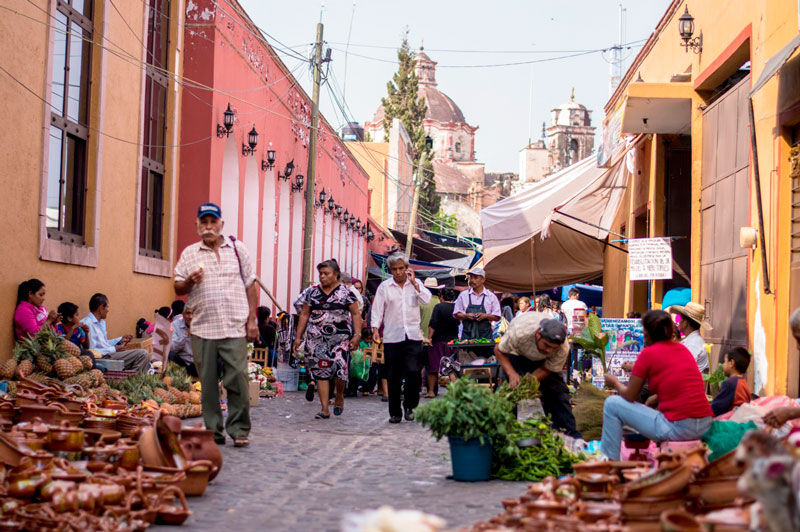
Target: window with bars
x,y
69,121
151,208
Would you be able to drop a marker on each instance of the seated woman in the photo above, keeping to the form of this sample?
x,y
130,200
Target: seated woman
x,y
30,314
671,372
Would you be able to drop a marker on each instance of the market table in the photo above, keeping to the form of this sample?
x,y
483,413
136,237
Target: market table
x,y
490,370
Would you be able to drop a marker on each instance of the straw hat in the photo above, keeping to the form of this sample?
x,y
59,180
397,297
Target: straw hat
x,y
693,311
430,282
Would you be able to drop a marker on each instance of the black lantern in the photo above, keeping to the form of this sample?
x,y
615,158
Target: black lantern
x,y
358,224
228,119
352,221
370,235
298,182
287,171
322,196
331,204
686,30
252,142
363,230
338,210
269,164
346,216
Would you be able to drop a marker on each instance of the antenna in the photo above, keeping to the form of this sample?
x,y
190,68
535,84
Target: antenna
x,y
615,66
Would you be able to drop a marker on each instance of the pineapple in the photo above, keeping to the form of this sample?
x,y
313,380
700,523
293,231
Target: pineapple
x,y
176,397
64,368
86,360
8,368
76,363
44,364
98,377
38,377
24,361
84,380
160,393
70,348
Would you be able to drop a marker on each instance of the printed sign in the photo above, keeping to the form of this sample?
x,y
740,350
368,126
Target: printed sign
x,y
578,320
649,258
619,331
162,339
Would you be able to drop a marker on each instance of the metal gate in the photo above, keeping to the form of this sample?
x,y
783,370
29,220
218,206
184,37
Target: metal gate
x,y
725,207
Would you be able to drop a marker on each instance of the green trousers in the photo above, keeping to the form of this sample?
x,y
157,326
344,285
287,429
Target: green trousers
x,y
233,354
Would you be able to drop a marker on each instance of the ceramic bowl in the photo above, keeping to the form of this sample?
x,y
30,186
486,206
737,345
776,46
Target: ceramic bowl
x,y
660,483
643,507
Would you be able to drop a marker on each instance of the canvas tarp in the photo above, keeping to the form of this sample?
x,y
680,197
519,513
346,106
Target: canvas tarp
x,y
512,229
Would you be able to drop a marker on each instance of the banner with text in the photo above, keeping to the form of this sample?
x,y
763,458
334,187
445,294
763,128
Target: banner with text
x,y
650,258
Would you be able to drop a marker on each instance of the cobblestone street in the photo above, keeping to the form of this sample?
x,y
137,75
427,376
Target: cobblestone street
x,y
304,474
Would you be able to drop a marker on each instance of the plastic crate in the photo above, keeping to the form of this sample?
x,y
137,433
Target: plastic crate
x,y
110,364
119,375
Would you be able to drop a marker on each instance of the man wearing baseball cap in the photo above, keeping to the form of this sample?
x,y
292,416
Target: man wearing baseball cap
x,y
477,308
219,278
537,344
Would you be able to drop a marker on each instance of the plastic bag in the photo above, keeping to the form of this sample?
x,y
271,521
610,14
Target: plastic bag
x,y
359,365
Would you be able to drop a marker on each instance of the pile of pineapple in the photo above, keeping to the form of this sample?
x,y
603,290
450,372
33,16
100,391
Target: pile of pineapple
x,y
172,392
49,355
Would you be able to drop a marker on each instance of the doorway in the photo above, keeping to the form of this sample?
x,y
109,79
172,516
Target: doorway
x,y
678,193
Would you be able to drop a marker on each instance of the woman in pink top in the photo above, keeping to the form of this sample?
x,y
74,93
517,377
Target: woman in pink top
x,y
30,315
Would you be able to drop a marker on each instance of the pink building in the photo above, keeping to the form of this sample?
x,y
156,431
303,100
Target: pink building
x,y
261,185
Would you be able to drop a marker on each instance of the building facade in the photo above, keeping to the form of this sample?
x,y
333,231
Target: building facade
x,y
570,137
695,178
91,172
256,169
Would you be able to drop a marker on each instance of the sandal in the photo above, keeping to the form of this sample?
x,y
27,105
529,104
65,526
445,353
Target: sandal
x,y
241,441
320,415
337,410
310,391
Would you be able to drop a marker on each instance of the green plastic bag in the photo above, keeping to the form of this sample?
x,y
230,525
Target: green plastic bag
x,y
724,436
359,365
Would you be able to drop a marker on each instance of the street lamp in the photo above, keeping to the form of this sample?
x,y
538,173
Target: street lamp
x,y
331,204
370,235
269,164
252,142
228,119
358,224
346,216
352,221
686,30
287,171
322,196
298,182
338,211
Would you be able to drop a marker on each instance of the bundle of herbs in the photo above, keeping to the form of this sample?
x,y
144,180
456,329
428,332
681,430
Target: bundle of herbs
x,y
533,451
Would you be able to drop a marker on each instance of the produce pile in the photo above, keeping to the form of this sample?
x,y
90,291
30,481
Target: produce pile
x,y
172,392
474,341
48,355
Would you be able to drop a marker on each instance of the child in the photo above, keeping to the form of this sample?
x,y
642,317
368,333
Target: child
x,y
70,327
734,391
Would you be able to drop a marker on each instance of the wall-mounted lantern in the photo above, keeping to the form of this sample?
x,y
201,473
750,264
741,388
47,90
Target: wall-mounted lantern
x,y
252,142
228,118
686,30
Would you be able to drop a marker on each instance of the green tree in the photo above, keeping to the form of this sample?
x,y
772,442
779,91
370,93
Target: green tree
x,y
446,224
402,101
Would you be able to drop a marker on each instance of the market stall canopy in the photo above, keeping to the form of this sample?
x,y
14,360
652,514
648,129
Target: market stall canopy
x,y
775,63
517,259
658,108
426,251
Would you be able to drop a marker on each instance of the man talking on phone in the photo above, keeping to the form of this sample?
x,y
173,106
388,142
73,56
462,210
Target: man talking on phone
x,y
396,308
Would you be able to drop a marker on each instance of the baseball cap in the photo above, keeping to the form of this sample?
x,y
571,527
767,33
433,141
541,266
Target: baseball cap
x,y
209,208
553,331
477,271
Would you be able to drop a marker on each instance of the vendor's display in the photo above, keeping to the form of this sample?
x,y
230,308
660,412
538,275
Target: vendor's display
x,y
78,459
611,344
754,487
171,391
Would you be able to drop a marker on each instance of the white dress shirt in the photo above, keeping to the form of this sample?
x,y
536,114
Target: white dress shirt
x,y
695,343
397,309
98,336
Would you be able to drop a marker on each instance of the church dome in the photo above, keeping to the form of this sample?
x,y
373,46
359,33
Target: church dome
x,y
572,113
440,107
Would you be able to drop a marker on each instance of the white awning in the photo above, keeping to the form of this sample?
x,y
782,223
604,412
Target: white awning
x,y
517,258
775,63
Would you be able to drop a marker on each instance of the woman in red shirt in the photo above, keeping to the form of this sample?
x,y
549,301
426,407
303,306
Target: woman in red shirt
x,y
671,373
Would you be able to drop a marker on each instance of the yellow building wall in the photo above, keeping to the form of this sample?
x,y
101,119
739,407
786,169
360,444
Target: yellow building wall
x,y
772,24
373,156
116,108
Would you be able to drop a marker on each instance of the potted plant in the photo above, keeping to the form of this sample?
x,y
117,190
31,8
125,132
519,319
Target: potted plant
x,y
472,418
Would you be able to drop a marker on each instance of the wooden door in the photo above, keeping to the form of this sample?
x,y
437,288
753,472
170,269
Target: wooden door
x,y
724,209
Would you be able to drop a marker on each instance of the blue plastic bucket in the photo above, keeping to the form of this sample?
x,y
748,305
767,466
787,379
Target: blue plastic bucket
x,y
472,462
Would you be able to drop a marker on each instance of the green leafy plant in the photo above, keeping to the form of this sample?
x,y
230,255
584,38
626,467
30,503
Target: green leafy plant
x,y
468,411
715,380
594,341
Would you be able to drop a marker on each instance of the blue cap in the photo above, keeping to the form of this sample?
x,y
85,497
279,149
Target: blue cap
x,y
209,208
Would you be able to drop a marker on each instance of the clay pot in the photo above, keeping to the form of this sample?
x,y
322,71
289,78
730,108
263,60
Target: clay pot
x,y
661,483
71,403
65,501
643,507
645,524
716,491
107,437
28,398
150,448
52,487
168,514
102,423
198,444
728,520
129,454
546,508
724,466
65,438
593,514
679,521
198,473
63,413
694,457
596,483
10,452
9,525
47,414
115,405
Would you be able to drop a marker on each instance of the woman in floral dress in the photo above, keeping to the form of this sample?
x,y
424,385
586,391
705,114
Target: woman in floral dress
x,y
331,323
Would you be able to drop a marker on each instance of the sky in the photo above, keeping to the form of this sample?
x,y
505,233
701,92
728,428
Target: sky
x,y
507,103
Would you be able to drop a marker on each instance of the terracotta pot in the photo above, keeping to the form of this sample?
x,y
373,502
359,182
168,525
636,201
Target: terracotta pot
x,y
594,514
47,414
150,448
63,413
715,491
645,524
128,454
65,438
168,514
546,508
65,501
9,525
94,436
71,403
643,507
28,398
596,482
661,483
198,473
728,520
198,444
10,452
679,521
724,466
115,405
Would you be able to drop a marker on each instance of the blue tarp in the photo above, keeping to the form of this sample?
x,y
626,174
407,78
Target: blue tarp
x,y
592,295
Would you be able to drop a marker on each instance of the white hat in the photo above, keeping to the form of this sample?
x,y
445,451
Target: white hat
x,y
430,282
693,311
477,271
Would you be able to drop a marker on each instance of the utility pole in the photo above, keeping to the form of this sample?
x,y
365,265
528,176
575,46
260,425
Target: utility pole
x,y
412,219
312,161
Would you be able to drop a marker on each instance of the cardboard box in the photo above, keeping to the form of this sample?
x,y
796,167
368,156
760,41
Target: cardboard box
x,y
141,343
252,387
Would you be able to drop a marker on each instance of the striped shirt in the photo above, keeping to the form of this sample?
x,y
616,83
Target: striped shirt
x,y
219,301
